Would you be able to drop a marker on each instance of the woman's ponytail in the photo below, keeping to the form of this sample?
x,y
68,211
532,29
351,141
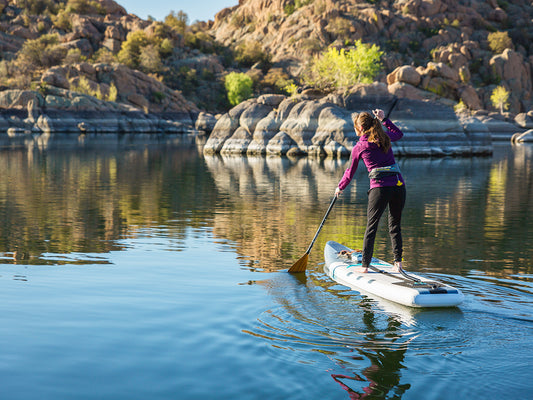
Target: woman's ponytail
x,y
374,130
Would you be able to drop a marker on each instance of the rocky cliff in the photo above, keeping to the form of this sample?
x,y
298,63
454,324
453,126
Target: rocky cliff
x,y
323,127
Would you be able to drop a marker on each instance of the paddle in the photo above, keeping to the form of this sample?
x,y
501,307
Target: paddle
x,y
301,264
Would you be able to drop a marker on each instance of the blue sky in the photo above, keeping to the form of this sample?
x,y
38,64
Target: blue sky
x,y
201,10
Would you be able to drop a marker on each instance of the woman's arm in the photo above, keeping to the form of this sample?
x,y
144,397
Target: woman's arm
x,y
348,174
393,131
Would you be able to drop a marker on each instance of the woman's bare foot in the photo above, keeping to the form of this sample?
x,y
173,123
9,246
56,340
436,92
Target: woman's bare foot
x,y
346,252
397,266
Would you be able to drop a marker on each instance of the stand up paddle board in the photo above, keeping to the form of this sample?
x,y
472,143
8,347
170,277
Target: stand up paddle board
x,y
407,289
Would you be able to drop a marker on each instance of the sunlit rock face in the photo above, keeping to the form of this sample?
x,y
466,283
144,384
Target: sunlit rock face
x,y
302,126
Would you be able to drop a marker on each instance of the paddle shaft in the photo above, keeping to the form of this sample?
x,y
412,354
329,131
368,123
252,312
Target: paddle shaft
x,y
321,224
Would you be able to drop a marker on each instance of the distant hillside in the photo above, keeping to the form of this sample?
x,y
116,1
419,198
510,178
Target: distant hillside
x,y
452,51
483,42
95,47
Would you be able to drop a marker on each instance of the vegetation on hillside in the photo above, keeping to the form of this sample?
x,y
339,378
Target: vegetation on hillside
x,y
347,42
340,69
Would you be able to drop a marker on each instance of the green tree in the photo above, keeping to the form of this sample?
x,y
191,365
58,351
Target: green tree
x,y
142,51
340,69
177,21
149,59
500,98
238,87
131,48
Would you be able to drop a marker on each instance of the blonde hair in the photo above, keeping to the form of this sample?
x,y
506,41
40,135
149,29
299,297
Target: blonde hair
x,y
366,124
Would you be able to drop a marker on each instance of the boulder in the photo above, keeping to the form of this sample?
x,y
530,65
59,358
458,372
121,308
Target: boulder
x,y
335,125
470,97
83,45
525,137
265,130
441,70
302,123
406,74
238,142
318,128
499,129
19,99
112,8
515,75
252,115
406,91
55,77
205,122
524,120
282,144
223,130
272,100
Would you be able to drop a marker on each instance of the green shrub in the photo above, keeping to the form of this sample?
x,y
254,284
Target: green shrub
x,y
340,27
460,107
62,21
131,48
251,52
38,7
113,93
83,86
166,47
74,56
278,79
200,40
340,69
499,41
158,97
103,55
238,87
43,52
149,59
311,45
289,9
85,7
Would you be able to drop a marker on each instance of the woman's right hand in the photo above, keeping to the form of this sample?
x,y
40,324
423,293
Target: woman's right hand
x,y
379,113
338,192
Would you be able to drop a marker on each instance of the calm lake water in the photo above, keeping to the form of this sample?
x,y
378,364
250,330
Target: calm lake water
x,y
158,273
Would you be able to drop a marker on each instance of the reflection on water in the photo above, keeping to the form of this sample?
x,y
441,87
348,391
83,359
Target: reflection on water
x,y
179,231
460,213
457,210
77,202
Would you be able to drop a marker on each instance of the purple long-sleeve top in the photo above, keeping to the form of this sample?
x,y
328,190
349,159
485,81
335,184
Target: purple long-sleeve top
x,y
374,157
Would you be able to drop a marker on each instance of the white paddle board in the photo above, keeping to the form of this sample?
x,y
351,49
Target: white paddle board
x,y
404,288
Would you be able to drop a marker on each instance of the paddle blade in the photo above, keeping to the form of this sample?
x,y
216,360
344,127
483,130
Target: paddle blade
x,y
300,265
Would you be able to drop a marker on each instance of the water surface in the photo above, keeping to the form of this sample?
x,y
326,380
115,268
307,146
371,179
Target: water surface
x,y
158,273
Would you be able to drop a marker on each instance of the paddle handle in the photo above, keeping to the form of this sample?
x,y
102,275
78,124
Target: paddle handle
x,y
322,224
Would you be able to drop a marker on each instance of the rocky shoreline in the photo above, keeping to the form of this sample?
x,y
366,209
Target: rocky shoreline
x,y
306,126
273,125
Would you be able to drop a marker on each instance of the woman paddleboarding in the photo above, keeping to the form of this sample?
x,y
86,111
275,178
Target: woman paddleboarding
x,y
387,187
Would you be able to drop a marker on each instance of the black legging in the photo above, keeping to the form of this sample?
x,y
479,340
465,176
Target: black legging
x,y
378,199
